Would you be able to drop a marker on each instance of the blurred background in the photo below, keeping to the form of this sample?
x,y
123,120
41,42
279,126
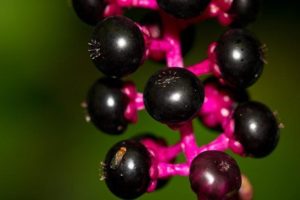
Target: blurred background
x,y
48,151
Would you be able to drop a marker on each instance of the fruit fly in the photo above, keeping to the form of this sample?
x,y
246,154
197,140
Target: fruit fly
x,y
118,158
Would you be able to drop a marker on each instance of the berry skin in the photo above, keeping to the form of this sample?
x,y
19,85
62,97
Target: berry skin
x,y
89,11
256,128
127,166
240,58
244,12
183,9
106,105
214,175
117,46
173,95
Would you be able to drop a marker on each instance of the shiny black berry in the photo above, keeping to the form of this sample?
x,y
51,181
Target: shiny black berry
x,y
173,95
117,46
126,172
214,175
256,128
89,11
240,58
244,12
106,105
182,8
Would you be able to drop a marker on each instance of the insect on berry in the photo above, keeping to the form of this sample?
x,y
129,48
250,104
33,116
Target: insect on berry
x,y
127,169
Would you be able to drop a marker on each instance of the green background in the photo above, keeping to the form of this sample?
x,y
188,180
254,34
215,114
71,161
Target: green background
x,y
48,151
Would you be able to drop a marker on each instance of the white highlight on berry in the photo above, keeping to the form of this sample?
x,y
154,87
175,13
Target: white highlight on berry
x,y
110,102
175,97
236,54
122,42
253,126
209,177
131,165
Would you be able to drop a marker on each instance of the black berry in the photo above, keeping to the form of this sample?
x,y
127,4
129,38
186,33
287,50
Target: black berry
x,y
173,95
106,105
244,12
89,11
214,175
182,8
127,166
240,57
256,128
117,46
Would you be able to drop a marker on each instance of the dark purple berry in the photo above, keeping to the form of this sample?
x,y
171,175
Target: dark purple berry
x,y
256,128
240,58
244,12
117,46
182,8
89,11
173,95
106,105
126,171
214,175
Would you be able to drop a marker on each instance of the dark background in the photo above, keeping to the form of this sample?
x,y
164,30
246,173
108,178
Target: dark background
x,y
48,151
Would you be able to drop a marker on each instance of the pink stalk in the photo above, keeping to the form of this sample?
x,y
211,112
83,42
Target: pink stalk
x,y
131,110
149,4
162,153
188,142
171,35
166,170
202,68
139,101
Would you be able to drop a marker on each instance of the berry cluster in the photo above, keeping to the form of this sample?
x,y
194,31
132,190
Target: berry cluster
x,y
175,96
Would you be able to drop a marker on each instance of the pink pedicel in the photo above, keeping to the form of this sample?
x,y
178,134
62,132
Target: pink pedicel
x,y
217,107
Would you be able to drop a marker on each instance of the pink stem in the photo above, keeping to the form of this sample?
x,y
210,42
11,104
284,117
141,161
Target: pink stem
x,y
149,4
131,110
202,68
188,142
167,170
219,144
171,35
162,153
139,101
159,46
